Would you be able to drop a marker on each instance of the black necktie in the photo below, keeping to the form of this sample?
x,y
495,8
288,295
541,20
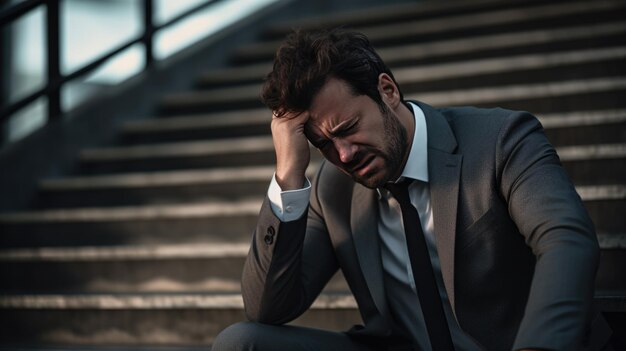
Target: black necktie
x,y
430,300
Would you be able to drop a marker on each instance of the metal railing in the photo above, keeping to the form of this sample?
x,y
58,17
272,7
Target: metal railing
x,y
55,79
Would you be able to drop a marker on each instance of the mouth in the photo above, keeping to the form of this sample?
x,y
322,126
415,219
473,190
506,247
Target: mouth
x,y
362,166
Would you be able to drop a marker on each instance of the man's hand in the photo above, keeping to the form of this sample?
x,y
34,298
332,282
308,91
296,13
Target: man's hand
x,y
292,149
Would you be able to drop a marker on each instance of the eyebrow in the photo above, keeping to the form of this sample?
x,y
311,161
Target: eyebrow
x,y
343,126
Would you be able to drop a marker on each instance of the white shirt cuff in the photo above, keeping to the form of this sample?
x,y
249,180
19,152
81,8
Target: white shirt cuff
x,y
288,205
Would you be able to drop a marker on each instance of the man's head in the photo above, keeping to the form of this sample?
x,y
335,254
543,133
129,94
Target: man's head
x,y
357,118
306,60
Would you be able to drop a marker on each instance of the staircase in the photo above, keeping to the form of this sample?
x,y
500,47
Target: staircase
x,y
144,244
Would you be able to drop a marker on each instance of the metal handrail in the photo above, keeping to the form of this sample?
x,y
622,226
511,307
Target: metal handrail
x,y
56,80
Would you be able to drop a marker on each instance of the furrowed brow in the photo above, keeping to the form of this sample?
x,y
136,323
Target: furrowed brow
x,y
343,126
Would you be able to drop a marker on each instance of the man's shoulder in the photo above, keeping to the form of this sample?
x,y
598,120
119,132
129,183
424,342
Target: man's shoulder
x,y
485,121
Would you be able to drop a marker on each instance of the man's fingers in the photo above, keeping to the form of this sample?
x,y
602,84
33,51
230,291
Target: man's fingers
x,y
304,115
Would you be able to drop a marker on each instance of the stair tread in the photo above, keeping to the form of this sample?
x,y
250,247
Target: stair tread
x,y
582,118
191,301
602,192
588,152
123,213
494,94
154,300
162,178
503,65
245,117
137,252
181,149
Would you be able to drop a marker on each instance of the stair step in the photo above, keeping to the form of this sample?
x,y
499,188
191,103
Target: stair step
x,y
174,268
584,94
606,206
214,268
114,319
540,98
460,50
156,187
240,74
234,152
588,164
209,222
185,186
194,127
585,127
611,271
239,97
545,16
534,68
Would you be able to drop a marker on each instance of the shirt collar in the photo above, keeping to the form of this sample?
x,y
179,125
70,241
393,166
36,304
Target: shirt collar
x,y
417,163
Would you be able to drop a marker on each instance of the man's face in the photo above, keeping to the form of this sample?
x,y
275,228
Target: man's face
x,y
354,134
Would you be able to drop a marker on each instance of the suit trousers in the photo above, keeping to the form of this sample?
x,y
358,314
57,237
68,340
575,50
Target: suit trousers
x,y
250,336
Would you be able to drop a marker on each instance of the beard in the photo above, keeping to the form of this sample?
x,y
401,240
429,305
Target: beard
x,y
393,153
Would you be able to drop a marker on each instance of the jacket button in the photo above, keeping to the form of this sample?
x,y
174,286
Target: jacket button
x,y
269,237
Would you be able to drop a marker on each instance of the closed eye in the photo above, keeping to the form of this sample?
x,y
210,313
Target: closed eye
x,y
320,144
346,129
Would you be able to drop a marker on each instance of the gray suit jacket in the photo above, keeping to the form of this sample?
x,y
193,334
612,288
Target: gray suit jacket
x,y
518,251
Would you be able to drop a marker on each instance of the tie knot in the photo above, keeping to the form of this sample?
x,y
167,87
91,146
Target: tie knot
x,y
400,190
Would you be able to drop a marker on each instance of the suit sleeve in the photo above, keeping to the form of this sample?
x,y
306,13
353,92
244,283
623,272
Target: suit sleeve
x,y
550,215
288,264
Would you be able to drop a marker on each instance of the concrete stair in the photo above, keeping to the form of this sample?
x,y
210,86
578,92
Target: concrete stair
x,y
142,247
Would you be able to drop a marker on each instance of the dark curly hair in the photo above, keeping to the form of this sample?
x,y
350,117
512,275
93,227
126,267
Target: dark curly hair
x,y
307,59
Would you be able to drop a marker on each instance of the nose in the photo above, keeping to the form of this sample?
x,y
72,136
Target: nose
x,y
345,150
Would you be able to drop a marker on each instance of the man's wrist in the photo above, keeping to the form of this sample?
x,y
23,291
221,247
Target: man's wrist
x,y
292,181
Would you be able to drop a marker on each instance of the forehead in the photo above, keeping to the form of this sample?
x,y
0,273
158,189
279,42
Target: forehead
x,y
334,103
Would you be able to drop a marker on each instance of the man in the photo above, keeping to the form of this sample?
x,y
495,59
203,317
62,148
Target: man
x,y
508,253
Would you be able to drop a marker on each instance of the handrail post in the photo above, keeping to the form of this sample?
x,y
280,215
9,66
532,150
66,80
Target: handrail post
x,y
54,59
148,28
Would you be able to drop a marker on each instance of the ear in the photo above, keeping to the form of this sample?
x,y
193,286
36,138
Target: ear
x,y
388,90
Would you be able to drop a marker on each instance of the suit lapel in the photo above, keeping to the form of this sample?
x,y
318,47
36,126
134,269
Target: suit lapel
x,y
363,221
444,169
